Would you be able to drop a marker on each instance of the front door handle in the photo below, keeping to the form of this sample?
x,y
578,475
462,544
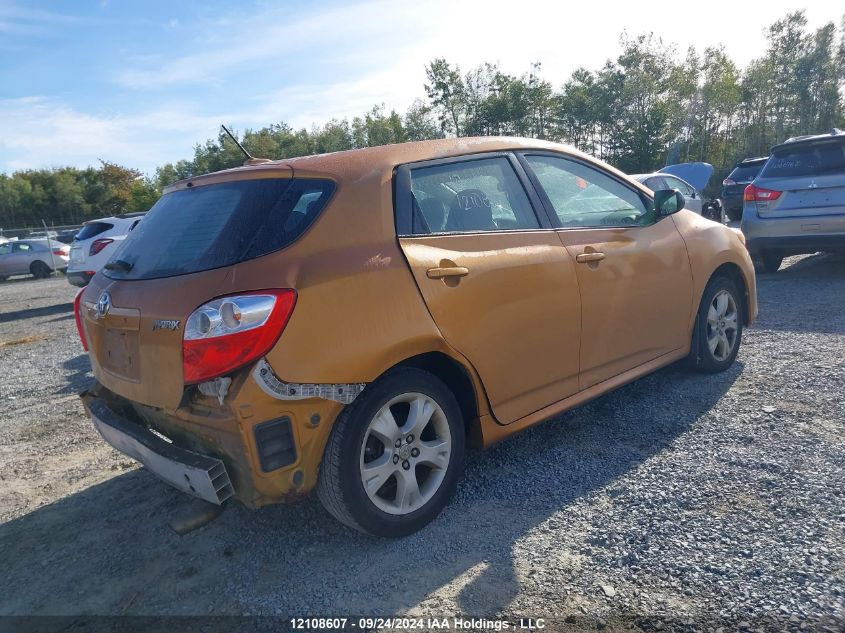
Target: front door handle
x,y
586,258
449,271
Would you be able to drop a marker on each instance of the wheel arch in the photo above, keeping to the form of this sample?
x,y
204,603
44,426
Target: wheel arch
x,y
733,272
461,380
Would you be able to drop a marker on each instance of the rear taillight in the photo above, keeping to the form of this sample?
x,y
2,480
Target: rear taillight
x,y
727,182
60,251
758,194
77,314
98,245
230,332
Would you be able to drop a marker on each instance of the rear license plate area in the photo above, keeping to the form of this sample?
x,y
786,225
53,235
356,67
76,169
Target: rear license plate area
x,y
121,353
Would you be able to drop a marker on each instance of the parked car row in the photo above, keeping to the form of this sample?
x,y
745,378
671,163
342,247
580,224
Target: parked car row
x,y
790,202
79,253
65,236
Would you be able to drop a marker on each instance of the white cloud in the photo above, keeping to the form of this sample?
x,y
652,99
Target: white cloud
x,y
264,37
18,20
376,33
43,132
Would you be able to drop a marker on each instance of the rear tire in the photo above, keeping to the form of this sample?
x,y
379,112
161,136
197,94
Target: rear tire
x,y
734,214
39,269
768,262
394,455
718,327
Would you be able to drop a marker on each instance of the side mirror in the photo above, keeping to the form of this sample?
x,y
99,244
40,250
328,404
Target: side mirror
x,y
668,201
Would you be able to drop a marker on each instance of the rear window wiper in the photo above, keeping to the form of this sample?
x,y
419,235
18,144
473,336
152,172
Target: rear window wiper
x,y
119,264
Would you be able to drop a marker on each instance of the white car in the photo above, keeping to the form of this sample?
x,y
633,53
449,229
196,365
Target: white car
x,y
95,243
690,179
38,257
658,181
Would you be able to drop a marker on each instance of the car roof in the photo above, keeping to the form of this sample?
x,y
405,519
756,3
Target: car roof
x,y
120,217
642,177
351,165
809,139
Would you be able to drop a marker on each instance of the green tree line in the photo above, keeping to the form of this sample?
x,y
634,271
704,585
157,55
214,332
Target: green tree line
x,y
650,106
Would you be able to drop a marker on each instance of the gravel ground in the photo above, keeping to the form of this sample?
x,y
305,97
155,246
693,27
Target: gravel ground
x,y
680,502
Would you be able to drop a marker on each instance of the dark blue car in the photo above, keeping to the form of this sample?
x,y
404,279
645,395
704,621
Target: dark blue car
x,y
734,185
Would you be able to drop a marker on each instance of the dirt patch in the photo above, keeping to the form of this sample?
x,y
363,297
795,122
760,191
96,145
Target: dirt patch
x,y
23,341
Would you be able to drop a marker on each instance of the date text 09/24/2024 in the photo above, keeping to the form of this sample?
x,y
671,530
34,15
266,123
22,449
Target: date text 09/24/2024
x,y
410,623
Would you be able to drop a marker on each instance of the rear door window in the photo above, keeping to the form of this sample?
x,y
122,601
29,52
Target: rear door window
x,y
93,228
806,160
470,196
680,185
210,226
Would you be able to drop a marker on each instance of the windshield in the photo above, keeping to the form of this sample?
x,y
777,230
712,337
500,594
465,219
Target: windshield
x,y
211,226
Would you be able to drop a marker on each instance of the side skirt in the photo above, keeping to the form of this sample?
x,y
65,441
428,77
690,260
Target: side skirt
x,y
493,432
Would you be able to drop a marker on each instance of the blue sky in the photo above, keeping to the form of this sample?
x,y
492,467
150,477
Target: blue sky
x,y
140,82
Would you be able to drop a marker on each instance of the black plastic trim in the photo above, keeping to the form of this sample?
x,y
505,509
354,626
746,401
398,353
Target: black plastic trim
x,y
275,431
798,244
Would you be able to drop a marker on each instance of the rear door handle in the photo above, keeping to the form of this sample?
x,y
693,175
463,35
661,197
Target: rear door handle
x,y
450,271
586,258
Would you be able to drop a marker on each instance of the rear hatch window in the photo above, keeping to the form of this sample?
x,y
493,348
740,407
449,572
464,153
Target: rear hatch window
x,y
745,173
93,228
806,160
212,226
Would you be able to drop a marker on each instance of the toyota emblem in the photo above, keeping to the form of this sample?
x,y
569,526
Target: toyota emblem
x,y
103,305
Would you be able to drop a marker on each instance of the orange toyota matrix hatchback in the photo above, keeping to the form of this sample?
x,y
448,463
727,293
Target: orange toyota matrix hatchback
x,y
352,322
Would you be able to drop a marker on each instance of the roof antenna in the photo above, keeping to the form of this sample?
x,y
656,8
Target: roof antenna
x,y
250,160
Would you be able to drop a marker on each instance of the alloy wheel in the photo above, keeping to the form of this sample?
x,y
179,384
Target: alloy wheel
x,y
722,325
405,453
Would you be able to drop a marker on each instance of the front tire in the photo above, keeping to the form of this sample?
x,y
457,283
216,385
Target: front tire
x,y
394,455
718,327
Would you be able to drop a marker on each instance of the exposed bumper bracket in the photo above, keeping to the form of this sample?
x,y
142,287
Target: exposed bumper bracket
x,y
344,393
198,475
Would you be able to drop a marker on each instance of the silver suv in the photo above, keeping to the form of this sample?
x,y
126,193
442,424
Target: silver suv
x,y
797,203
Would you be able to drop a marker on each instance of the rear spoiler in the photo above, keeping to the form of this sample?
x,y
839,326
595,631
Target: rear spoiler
x,y
834,136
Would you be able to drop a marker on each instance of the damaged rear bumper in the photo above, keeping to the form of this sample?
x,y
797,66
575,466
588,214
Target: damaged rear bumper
x,y
199,475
